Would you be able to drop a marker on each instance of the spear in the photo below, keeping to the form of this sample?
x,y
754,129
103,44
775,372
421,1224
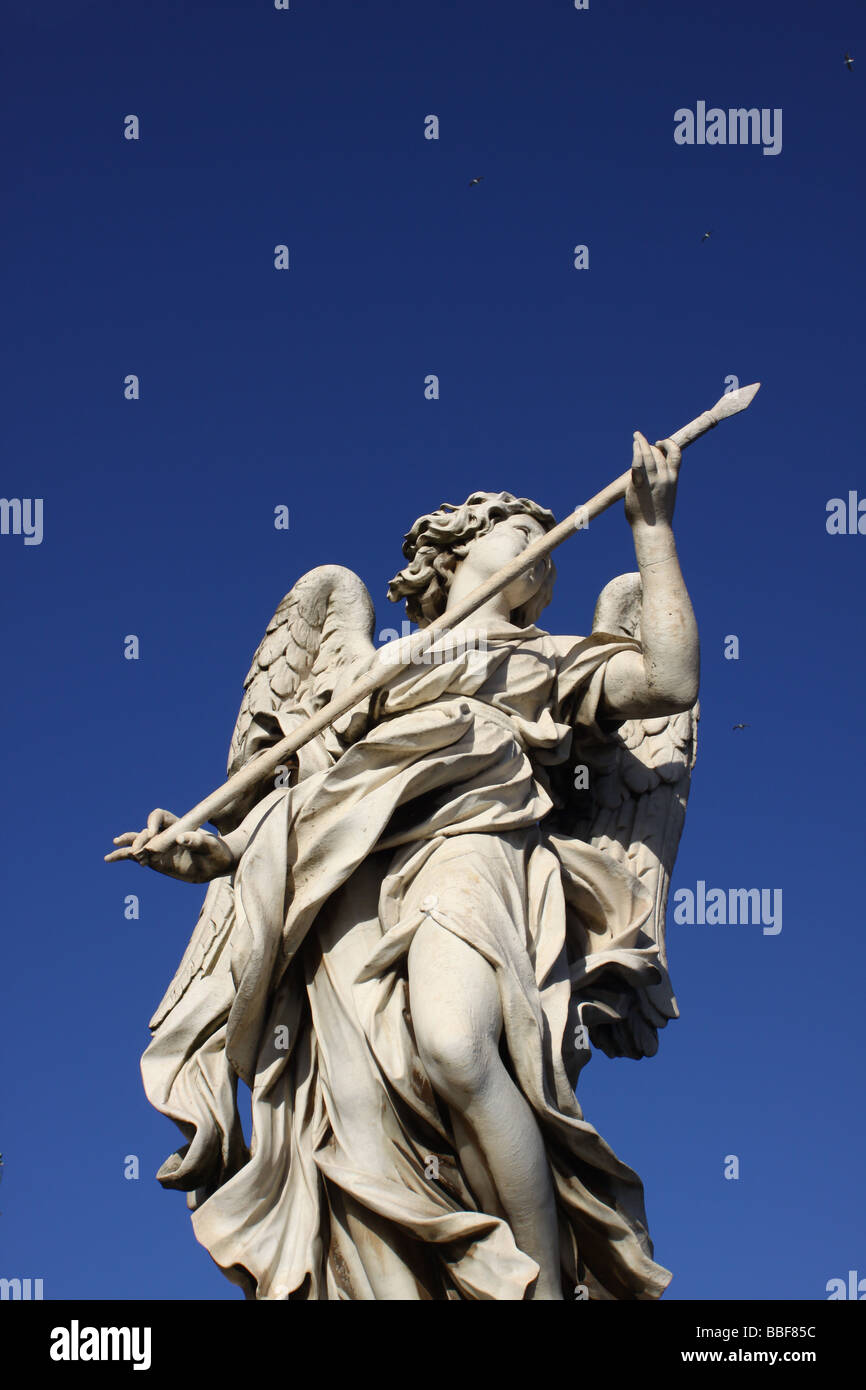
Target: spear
x,y
412,648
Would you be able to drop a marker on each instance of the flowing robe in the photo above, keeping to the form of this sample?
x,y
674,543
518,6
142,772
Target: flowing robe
x,y
432,800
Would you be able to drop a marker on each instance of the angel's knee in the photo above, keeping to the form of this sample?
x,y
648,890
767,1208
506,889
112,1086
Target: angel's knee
x,y
456,1016
457,1059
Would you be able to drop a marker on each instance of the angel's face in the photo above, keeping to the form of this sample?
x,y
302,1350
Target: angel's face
x,y
503,542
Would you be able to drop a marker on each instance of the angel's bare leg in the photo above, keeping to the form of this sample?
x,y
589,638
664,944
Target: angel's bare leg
x,y
474,1166
457,1018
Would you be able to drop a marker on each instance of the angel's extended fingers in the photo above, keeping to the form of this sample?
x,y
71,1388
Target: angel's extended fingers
x,y
650,458
639,459
156,821
127,838
662,473
117,854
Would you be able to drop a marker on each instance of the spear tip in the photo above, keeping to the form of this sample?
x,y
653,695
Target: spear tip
x,y
732,402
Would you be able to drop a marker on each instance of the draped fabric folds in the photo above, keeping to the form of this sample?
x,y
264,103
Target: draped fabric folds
x,y
433,800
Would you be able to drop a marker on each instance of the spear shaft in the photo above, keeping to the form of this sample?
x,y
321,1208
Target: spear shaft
x,y
411,649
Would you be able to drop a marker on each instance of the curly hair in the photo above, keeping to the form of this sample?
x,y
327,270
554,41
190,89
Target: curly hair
x,y
439,541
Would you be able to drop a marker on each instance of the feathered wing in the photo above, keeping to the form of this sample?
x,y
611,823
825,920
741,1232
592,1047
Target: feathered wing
x,y
639,786
318,638
320,635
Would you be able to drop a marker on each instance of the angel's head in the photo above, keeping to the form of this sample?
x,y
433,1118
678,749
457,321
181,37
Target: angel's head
x,y
489,529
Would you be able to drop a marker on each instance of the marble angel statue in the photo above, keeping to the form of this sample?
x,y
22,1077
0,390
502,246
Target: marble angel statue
x,y
416,933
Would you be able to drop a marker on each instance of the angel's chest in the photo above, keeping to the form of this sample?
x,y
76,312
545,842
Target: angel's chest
x,y
522,682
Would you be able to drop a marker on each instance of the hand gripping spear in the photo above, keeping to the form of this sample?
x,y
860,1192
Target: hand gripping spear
x,y
410,649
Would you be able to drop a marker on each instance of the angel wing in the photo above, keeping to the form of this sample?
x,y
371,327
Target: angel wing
x,y
639,786
320,634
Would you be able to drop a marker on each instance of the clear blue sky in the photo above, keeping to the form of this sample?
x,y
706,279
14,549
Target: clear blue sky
x,y
306,388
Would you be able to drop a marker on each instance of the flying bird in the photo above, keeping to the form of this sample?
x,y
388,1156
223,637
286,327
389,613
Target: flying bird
x,y
849,62
706,236
472,182
740,726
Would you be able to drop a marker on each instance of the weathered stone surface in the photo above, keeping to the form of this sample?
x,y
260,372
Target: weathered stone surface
x,y
414,933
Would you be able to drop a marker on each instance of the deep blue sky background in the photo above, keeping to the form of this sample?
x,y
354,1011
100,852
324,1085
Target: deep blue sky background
x,y
306,388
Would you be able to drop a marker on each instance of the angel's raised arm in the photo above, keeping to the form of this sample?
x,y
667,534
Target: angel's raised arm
x,y
662,678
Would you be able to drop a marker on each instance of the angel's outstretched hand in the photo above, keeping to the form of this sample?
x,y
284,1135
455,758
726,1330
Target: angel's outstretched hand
x,y
652,488
197,857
